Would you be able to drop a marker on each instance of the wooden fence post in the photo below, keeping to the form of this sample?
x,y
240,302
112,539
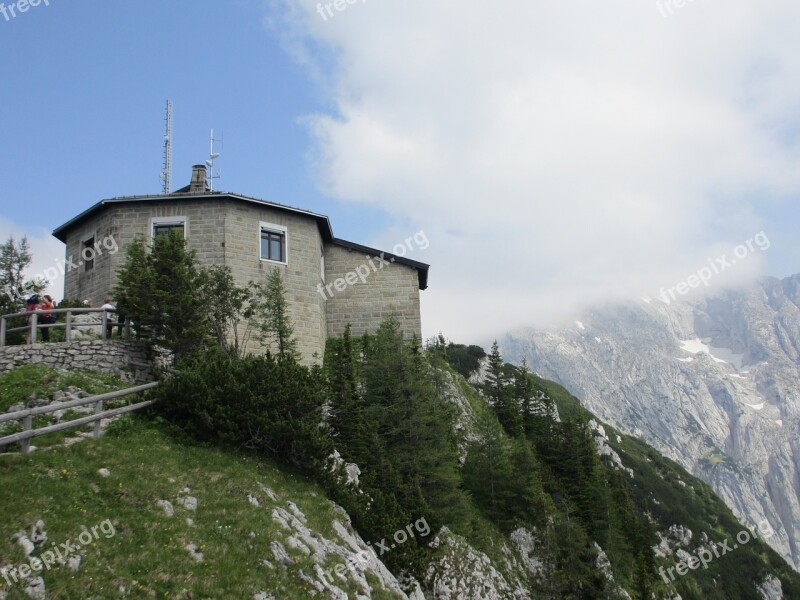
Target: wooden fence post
x,y
34,328
98,408
27,425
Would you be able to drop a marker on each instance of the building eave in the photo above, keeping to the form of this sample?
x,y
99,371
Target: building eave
x,y
323,223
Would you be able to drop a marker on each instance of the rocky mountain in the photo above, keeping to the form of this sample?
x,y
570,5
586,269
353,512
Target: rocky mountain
x,y
713,383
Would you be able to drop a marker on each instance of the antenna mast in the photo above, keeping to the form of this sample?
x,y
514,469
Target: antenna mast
x,y
210,162
166,174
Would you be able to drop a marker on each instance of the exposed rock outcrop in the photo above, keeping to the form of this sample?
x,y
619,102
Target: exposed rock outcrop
x,y
711,383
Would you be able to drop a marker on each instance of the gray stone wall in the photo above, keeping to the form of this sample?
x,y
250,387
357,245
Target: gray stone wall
x,y
124,359
227,231
390,290
222,231
93,284
205,228
301,273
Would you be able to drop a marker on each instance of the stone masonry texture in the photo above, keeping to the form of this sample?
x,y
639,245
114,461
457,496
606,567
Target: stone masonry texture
x,y
390,289
124,359
226,231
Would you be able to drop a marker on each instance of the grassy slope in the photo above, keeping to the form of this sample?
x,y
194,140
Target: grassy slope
x,y
21,383
147,555
62,487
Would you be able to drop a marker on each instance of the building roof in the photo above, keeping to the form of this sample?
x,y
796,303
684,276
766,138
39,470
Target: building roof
x,y
422,268
323,223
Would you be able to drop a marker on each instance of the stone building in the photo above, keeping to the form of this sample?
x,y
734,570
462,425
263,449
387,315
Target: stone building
x,y
331,282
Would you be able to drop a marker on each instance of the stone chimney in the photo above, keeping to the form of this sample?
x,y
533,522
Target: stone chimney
x,y
198,183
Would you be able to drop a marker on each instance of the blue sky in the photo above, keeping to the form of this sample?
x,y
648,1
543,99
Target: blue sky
x,y
87,88
555,155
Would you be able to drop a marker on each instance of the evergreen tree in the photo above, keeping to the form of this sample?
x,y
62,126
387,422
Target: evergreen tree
x,y
528,502
408,416
575,575
159,290
495,378
348,417
525,393
258,402
15,257
488,471
466,360
501,395
642,577
272,310
228,308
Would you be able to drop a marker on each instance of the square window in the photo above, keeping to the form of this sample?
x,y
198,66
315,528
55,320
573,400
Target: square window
x,y
273,244
164,227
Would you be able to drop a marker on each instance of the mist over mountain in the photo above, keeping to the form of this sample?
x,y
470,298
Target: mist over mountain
x,y
712,383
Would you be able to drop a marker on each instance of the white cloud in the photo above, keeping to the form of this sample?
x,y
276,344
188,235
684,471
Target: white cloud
x,y
47,254
557,154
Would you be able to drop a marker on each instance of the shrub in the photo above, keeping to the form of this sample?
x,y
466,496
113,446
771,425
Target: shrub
x,y
257,402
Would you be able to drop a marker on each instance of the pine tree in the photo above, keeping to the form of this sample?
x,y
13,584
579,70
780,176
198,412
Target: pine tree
x,y
159,290
501,395
495,378
413,440
488,471
229,308
272,310
528,502
526,395
15,257
348,418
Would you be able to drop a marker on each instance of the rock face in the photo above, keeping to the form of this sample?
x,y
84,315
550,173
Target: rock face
x,y
712,383
463,572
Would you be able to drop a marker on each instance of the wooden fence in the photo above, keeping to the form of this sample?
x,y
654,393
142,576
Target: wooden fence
x,y
33,325
26,416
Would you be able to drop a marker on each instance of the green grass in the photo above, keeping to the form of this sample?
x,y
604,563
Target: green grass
x,y
21,383
147,555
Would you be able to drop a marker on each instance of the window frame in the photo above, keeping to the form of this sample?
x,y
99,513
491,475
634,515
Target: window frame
x,y
169,221
88,241
280,230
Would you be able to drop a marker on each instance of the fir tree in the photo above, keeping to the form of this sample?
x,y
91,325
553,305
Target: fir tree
x,y
408,416
272,311
348,418
15,257
159,290
501,395
229,308
488,472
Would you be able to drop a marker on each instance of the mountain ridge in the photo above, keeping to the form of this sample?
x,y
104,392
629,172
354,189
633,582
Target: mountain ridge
x,y
710,382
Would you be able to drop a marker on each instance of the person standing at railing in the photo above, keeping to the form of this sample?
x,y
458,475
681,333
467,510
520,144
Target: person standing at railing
x,y
120,324
107,322
47,318
31,305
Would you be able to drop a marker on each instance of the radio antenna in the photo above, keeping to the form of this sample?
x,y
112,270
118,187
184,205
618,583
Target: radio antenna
x,y
166,174
210,162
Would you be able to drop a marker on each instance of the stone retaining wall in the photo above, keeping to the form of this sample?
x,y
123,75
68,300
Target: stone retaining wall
x,y
124,359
